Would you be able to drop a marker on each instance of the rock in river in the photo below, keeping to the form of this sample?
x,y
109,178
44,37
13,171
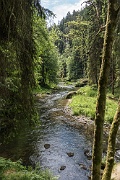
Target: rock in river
x,y
62,168
88,154
46,146
70,154
71,94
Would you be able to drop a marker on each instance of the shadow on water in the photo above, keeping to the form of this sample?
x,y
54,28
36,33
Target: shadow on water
x,y
55,144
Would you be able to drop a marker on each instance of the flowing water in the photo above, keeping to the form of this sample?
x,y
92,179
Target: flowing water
x,y
56,144
62,139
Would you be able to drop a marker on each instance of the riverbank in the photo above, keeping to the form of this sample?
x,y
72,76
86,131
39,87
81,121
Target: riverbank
x,y
84,103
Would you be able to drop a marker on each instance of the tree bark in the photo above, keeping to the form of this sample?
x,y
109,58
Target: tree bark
x,y
102,86
111,145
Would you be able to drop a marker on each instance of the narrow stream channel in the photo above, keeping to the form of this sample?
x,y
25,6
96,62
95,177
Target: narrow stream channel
x,y
55,144
62,140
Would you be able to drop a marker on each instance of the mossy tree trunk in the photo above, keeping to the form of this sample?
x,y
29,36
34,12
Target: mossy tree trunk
x,y
25,51
102,86
17,51
111,145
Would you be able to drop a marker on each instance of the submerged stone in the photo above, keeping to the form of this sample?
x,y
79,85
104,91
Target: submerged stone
x,y
62,168
83,166
70,154
88,154
46,146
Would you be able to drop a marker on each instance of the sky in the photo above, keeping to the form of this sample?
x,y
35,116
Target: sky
x,y
61,7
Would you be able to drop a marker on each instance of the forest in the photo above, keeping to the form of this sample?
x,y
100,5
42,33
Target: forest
x,y
74,66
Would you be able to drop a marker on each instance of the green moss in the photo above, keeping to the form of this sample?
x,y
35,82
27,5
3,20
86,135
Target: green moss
x,y
84,103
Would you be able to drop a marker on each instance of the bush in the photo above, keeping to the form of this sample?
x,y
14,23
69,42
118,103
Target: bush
x,y
15,171
81,83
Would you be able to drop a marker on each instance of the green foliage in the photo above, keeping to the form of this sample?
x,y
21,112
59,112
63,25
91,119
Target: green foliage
x,y
15,171
46,53
90,91
84,103
16,66
28,59
80,42
44,90
111,107
72,45
81,82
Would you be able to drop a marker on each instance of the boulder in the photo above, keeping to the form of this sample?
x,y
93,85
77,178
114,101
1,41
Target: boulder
x,y
71,94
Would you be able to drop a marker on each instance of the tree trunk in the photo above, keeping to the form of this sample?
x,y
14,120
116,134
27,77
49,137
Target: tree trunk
x,y
102,85
111,145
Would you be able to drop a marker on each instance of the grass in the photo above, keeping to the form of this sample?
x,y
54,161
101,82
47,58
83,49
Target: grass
x,y
15,171
84,103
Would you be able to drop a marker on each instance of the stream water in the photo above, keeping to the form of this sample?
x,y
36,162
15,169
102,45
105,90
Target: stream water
x,y
62,139
55,144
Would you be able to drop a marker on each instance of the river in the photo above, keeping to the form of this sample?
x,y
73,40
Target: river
x,y
63,139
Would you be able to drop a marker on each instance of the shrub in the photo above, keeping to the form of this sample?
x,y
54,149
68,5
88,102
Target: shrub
x,y
15,171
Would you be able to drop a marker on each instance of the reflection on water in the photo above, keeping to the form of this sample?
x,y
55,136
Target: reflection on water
x,y
61,138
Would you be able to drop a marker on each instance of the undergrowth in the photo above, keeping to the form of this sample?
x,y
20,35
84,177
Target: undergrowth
x,y
42,90
15,171
84,103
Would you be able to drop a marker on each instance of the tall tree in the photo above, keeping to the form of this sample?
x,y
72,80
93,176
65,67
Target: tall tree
x,y
16,64
25,56
46,56
78,34
102,86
